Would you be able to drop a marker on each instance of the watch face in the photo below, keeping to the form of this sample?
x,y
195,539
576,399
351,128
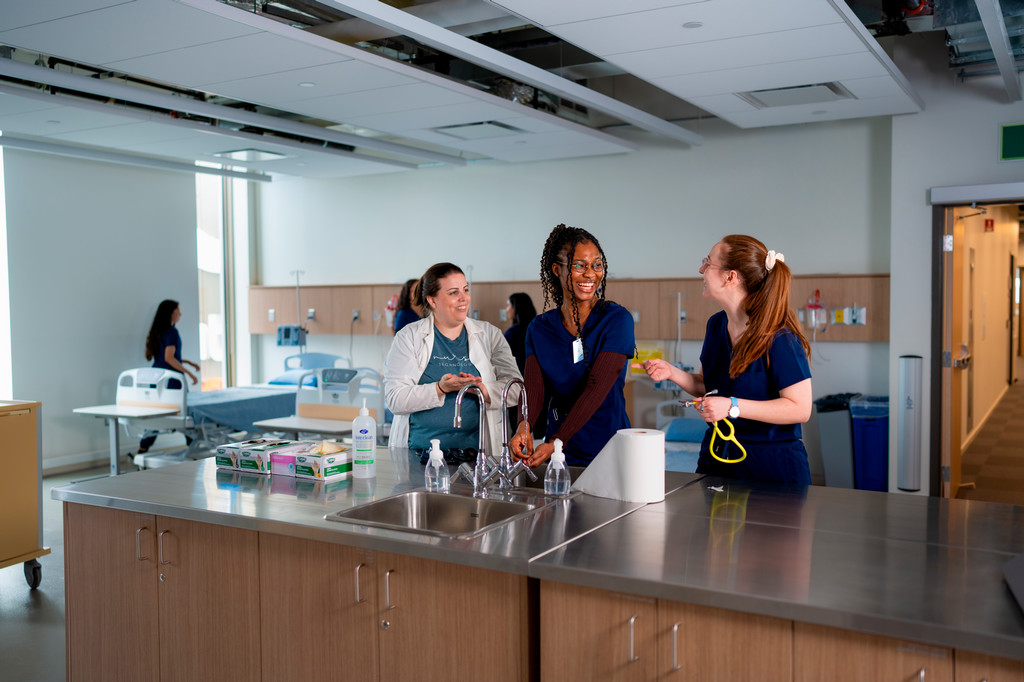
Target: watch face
x,y
734,411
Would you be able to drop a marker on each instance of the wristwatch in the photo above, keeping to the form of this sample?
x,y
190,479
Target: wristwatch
x,y
734,411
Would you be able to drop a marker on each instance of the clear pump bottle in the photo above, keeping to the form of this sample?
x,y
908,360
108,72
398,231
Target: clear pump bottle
x,y
364,444
557,480
436,473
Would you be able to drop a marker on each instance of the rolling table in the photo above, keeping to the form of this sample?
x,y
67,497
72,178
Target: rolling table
x,y
296,424
110,415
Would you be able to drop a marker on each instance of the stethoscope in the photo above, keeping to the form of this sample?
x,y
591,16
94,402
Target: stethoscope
x,y
718,431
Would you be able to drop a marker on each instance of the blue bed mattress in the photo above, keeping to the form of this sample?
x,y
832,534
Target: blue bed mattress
x,y
239,406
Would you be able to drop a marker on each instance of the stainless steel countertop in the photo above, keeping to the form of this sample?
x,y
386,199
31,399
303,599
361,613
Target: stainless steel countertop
x,y
910,567
198,491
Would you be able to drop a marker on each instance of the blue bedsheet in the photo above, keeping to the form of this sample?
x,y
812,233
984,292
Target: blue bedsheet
x,y
239,406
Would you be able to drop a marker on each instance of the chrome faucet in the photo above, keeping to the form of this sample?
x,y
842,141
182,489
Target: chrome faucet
x,y
483,472
505,465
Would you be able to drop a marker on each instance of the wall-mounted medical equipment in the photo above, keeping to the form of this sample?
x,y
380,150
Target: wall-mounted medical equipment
x,y
908,415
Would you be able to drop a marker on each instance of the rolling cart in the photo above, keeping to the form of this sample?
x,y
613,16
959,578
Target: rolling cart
x,y
21,488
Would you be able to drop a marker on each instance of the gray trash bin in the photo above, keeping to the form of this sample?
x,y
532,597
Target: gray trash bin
x,y
835,434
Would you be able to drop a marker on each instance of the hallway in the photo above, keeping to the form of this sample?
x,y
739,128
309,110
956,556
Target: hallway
x,y
994,461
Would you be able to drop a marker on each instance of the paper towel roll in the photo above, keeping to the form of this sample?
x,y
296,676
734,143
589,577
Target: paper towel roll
x,y
630,467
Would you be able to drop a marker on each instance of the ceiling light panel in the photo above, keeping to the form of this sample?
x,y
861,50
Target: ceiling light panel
x,y
123,31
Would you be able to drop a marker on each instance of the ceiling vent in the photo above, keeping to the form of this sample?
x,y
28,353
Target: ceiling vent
x,y
820,93
481,130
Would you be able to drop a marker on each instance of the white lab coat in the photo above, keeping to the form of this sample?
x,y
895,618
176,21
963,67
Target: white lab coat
x,y
408,357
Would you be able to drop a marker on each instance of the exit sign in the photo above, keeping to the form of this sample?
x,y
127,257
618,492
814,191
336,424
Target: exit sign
x,y
1011,142
990,225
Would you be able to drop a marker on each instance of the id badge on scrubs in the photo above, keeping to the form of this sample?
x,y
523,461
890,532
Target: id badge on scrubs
x,y
577,350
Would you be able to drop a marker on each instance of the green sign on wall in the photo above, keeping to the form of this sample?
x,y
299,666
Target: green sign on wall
x,y
1011,142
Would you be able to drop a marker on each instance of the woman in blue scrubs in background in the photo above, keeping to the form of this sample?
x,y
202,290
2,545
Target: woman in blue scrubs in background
x,y
163,347
576,354
756,358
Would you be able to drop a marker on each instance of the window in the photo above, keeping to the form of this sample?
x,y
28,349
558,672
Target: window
x,y
210,259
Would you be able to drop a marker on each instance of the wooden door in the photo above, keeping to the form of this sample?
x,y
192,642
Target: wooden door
x,y
110,594
318,610
971,667
822,654
589,634
440,621
209,599
702,643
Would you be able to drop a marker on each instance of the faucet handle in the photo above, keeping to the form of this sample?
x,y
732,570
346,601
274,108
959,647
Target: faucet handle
x,y
521,467
464,471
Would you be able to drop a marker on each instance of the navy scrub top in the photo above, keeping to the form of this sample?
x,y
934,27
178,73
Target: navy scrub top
x,y
774,451
609,328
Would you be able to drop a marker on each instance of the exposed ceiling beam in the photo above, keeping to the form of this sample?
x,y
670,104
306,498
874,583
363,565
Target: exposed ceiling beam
x,y
125,159
116,90
481,55
995,28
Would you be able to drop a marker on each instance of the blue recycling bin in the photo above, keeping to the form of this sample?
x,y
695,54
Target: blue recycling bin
x,y
869,416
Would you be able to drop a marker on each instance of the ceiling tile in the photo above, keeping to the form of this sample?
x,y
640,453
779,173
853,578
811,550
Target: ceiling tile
x,y
783,46
226,60
664,27
380,101
124,31
547,13
18,14
328,79
433,117
881,106
870,88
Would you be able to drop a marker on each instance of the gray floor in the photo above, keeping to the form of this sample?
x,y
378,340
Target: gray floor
x,y
32,621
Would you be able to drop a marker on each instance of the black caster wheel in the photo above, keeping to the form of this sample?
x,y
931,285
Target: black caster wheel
x,y
33,573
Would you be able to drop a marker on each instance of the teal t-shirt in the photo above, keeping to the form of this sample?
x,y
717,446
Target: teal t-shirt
x,y
447,357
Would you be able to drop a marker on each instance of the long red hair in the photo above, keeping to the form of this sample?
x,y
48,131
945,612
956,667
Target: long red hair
x,y
767,301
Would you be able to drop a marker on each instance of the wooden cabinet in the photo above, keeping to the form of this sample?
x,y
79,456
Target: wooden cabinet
x,y
821,654
640,298
589,634
153,598
971,667
382,616
702,643
21,533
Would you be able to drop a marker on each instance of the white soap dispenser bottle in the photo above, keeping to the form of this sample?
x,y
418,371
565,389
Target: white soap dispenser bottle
x,y
364,444
557,480
436,473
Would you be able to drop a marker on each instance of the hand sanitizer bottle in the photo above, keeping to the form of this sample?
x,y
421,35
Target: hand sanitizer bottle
x,y
436,473
364,444
557,480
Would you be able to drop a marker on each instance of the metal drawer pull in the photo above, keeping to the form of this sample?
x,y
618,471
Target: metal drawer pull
x,y
632,657
160,547
138,544
920,674
358,599
387,591
675,647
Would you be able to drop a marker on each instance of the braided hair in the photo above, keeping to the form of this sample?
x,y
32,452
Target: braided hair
x,y
565,238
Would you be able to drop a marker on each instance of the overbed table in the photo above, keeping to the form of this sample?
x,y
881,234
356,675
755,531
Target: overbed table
x,y
296,424
111,414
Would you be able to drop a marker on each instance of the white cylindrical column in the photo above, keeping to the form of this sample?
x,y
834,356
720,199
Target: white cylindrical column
x,y
908,412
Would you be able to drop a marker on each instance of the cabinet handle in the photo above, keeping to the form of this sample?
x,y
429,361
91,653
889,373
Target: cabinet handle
x,y
675,647
632,657
358,599
160,547
387,591
920,675
138,545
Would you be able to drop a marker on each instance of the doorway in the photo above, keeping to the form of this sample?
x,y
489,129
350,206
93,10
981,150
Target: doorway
x,y
979,328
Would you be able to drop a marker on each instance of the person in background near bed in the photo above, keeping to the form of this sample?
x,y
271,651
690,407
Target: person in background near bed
x,y
432,359
407,311
756,357
576,354
163,347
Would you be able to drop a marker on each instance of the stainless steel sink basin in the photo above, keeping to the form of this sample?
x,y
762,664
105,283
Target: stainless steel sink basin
x,y
452,515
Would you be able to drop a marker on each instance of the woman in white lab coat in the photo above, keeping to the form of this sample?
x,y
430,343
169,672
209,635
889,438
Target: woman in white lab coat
x,y
432,359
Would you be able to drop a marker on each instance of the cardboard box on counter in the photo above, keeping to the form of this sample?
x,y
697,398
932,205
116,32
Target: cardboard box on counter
x,y
336,465
227,456
260,457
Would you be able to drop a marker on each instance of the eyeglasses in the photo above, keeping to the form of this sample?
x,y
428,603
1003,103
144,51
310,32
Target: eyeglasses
x,y
706,263
580,267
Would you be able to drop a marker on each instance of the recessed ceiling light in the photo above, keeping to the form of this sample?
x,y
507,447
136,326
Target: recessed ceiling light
x,y
307,84
693,24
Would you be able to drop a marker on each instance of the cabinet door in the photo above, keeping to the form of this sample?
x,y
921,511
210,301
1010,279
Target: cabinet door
x,y
263,300
821,654
588,634
640,298
972,667
209,601
318,610
19,485
440,621
111,594
700,643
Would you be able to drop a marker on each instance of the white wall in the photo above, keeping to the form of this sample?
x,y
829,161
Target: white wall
x,y
818,193
953,142
93,248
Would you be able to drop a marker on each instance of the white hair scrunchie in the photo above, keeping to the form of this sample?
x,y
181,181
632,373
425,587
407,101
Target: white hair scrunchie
x,y
771,258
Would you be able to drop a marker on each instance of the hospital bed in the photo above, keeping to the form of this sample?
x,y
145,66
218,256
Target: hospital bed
x,y
206,419
327,404
683,434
